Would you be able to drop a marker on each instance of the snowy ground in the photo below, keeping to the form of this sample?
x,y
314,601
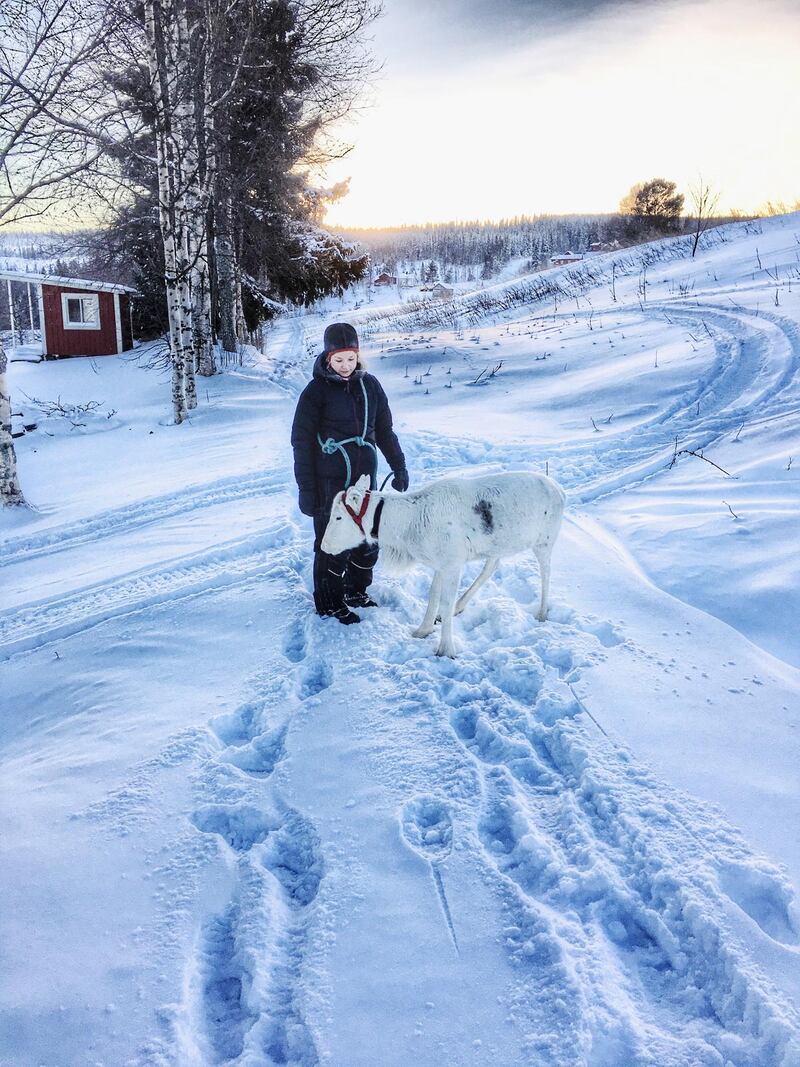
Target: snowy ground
x,y
239,834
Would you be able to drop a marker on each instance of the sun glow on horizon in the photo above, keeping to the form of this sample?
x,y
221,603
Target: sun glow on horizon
x,y
568,125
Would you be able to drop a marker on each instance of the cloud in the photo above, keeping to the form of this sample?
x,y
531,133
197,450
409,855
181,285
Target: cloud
x,y
568,121
416,33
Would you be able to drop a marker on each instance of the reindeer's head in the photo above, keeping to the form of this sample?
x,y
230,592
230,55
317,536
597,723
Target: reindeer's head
x,y
343,531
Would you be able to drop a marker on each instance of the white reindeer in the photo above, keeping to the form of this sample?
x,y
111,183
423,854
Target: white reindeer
x,y
446,524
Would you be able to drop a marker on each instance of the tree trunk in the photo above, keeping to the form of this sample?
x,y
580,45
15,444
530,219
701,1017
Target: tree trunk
x,y
241,325
10,491
204,315
157,59
226,277
187,177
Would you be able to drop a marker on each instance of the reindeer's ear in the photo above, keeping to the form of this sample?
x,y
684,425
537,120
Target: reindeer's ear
x,y
355,494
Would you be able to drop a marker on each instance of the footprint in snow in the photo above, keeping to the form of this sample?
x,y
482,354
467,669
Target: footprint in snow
x,y
294,644
294,856
518,672
240,726
224,983
629,933
248,721
427,829
478,735
261,755
316,677
555,654
241,825
289,1040
761,896
606,633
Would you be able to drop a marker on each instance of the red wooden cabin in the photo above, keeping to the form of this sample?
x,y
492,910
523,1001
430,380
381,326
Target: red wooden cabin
x,y
77,317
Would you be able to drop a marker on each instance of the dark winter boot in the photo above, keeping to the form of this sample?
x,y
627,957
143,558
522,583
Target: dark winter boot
x,y
345,616
328,583
359,600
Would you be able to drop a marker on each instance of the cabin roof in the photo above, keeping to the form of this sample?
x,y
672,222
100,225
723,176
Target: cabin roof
x,y
71,283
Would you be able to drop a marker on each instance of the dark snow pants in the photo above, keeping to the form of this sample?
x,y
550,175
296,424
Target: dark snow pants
x,y
337,576
349,572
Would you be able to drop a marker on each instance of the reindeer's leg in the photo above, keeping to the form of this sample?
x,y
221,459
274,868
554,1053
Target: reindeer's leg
x,y
543,555
451,576
426,626
489,567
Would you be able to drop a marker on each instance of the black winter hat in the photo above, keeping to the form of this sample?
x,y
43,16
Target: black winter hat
x,y
339,335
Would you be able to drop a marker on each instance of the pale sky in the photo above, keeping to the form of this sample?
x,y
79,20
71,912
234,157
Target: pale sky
x,y
493,108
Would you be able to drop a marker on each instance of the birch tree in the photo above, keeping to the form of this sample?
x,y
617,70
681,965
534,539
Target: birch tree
x,y
184,41
182,196
240,96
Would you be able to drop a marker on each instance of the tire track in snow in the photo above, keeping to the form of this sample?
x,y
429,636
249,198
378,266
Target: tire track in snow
x,y
744,368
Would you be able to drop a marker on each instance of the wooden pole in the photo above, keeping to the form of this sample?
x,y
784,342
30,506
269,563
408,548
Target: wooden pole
x,y
42,324
11,313
118,323
30,312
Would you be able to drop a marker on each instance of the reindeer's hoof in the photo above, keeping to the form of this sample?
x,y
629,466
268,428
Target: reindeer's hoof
x,y
448,651
542,616
421,631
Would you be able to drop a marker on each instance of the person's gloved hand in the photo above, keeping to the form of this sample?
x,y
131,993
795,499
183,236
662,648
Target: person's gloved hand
x,y
307,501
400,481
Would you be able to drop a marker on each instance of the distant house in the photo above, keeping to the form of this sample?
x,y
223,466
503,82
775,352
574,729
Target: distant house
x,y
77,317
441,292
561,259
385,279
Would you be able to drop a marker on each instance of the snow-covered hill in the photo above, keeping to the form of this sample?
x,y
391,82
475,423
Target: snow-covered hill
x,y
237,833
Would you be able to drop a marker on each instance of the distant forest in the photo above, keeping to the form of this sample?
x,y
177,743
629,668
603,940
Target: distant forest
x,y
459,251
471,251
448,251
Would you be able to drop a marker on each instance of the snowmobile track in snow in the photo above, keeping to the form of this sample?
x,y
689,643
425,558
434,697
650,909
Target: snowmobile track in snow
x,y
138,514
754,375
742,385
240,561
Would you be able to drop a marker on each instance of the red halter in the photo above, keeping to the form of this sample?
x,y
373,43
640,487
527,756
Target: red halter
x,y
358,517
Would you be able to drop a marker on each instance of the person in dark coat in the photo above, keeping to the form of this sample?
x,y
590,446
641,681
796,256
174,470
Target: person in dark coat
x,y
341,421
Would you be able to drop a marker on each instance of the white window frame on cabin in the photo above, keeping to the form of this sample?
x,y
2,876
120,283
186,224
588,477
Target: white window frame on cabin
x,y
90,299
